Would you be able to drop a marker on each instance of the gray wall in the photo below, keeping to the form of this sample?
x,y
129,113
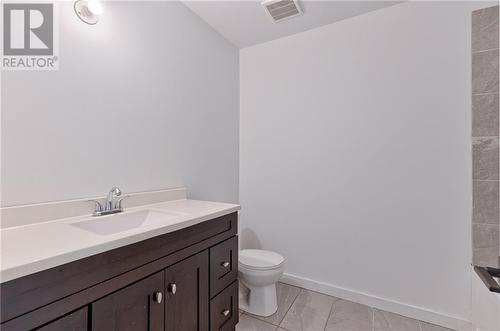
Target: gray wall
x,y
146,99
485,131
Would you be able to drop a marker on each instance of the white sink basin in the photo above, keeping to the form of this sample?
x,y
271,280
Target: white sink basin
x,y
111,224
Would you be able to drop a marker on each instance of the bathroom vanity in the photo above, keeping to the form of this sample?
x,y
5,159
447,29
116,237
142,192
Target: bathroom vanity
x,y
182,279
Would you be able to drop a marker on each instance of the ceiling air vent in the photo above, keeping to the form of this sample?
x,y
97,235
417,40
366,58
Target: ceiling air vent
x,y
280,10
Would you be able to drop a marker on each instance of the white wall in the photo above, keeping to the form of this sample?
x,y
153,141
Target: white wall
x,y
355,157
146,99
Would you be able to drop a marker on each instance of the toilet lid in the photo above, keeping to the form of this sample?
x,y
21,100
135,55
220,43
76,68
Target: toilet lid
x,y
260,259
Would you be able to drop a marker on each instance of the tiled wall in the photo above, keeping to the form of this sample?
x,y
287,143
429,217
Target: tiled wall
x,y
485,137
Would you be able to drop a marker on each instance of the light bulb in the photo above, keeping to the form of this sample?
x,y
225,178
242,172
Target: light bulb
x,y
95,7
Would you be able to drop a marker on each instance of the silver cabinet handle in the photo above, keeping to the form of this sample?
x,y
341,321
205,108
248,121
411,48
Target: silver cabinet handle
x,y
157,297
225,312
172,288
225,264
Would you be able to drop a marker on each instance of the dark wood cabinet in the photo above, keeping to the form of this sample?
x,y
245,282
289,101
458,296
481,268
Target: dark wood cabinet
x,y
186,304
223,265
75,321
179,281
139,307
224,313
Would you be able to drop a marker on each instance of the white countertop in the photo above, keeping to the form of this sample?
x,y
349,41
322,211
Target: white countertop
x,y
35,247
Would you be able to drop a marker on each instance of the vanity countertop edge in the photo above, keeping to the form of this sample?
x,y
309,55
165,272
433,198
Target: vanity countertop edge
x,y
36,247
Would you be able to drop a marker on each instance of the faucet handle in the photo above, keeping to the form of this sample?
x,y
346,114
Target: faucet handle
x,y
116,191
98,206
118,204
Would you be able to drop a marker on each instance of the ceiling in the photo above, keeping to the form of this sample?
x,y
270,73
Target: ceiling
x,y
245,23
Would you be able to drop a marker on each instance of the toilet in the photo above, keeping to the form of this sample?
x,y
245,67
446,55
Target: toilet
x,y
259,270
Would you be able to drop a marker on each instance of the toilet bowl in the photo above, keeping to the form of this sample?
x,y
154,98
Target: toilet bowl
x,y
259,270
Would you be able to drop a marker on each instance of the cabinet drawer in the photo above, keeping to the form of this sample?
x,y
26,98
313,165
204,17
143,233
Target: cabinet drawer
x,y
223,265
224,314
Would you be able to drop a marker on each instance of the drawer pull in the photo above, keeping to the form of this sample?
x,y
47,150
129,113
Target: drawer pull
x,y
157,297
225,312
225,264
172,288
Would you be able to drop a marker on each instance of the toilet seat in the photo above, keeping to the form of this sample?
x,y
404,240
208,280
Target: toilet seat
x,y
258,259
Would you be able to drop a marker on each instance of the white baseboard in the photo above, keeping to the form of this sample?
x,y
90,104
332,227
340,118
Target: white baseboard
x,y
419,313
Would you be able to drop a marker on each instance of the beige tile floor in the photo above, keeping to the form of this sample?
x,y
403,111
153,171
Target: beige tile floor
x,y
303,310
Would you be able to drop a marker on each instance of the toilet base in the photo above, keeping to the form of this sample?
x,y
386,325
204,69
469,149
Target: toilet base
x,y
258,300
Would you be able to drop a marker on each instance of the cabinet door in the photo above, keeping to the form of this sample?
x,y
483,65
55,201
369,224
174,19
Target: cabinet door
x,y
75,321
137,307
186,304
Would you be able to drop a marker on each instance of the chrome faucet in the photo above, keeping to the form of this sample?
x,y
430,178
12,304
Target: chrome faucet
x,y
109,207
109,200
